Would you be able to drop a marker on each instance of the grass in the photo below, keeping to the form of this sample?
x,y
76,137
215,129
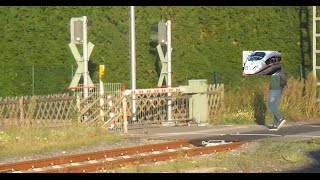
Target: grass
x,y
242,107
28,140
263,156
248,106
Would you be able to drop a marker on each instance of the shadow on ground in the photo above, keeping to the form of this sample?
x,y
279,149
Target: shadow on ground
x,y
313,168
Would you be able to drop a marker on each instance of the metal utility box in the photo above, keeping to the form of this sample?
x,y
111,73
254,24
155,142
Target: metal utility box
x,y
198,105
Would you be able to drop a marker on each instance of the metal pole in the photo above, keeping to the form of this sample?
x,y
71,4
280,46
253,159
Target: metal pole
x,y
133,61
301,73
215,78
169,67
32,79
85,58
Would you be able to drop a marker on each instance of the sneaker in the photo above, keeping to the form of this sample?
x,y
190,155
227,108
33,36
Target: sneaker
x,y
273,128
282,122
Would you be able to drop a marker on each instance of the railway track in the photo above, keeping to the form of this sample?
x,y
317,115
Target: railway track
x,y
111,159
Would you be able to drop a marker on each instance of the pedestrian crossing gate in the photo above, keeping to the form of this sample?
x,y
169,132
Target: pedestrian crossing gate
x,y
198,103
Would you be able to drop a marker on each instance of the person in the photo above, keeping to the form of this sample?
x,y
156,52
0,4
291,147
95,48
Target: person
x,y
278,81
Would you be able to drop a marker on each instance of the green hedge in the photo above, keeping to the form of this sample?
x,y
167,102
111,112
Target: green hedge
x,y
205,40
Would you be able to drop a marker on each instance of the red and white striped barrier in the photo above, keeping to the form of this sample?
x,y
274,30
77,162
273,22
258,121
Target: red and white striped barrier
x,y
154,91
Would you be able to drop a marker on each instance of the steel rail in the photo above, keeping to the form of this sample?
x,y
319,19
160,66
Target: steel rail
x,y
91,156
94,167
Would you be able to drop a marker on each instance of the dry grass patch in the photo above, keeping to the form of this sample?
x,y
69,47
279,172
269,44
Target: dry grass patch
x,y
30,140
263,156
249,105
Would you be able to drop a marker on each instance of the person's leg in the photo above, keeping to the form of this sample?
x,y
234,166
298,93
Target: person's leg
x,y
273,104
275,122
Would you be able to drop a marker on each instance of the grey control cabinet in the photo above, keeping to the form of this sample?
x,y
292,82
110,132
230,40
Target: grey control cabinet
x,y
198,104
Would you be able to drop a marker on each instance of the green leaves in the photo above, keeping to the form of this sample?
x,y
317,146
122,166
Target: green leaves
x,y
204,39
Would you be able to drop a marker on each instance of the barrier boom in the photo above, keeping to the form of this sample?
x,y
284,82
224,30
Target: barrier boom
x,y
154,90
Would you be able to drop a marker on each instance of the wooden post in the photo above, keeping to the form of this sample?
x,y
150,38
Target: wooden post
x,y
21,110
222,96
123,87
124,113
78,108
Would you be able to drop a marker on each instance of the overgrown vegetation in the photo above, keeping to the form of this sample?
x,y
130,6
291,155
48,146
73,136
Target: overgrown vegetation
x,y
35,57
207,44
29,140
249,106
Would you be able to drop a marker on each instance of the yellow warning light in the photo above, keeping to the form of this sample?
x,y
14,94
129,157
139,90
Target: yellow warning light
x,y
101,71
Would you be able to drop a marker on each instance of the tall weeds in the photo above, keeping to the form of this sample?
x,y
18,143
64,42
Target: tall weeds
x,y
299,100
249,105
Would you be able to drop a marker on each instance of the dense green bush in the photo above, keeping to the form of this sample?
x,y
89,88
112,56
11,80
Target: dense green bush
x,y
204,39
